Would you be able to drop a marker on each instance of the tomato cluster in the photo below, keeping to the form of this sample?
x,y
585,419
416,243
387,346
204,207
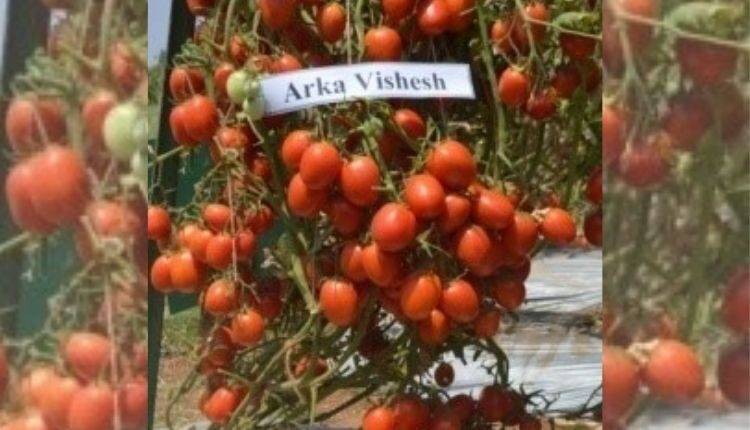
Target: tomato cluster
x,y
76,125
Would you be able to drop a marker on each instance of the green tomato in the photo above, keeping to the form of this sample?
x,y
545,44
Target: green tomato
x,y
253,88
125,130
237,86
254,108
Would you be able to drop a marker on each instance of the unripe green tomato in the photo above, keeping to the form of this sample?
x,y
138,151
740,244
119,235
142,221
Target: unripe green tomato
x,y
237,86
125,130
254,108
253,88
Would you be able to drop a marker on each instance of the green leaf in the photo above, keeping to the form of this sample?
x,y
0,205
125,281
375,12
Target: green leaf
x,y
714,19
580,21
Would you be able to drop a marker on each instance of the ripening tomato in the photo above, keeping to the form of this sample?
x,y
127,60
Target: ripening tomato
x,y
94,113
592,228
285,63
87,354
514,87
577,47
382,268
495,403
18,186
133,403
247,327
221,298
687,120
433,17
501,34
435,328
60,198
566,80
339,302
410,412
345,218
220,405
487,323
706,63
232,138
320,165
452,164
420,294
278,14
508,293
184,82
27,120
393,227
239,51
594,191
379,418
410,122
456,213
302,200
126,69
734,373
331,21
541,104
203,118
350,262
185,272
217,216
613,134
220,251
537,11
425,196
471,245
521,235
382,44
261,220
92,408
492,210
294,145
397,10
673,372
55,398
359,181
221,76
558,227
642,165
735,308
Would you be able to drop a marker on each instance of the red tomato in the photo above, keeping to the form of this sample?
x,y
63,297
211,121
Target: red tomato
x,y
410,122
221,298
592,228
133,403
293,146
200,7
60,198
734,373
444,374
278,14
383,268
456,213
125,68
198,242
410,412
492,210
397,10
339,302
541,104
643,165
379,418
232,138
537,11
87,354
521,236
239,52
27,120
487,323
18,186
244,244
359,181
495,403
640,35
184,82
673,372
460,301
706,63
452,164
177,120
501,34
529,422
331,21
472,245
393,227
203,118
185,272
285,63
461,12
302,200
261,220
247,327
346,218
514,87
221,76
219,251
508,293
54,398
217,216
92,408
577,47
382,44
220,405
159,223
161,279
435,329
425,196
433,17
94,113
420,295
594,192
613,134
351,262
735,308
566,80
687,120
320,165
462,406
558,227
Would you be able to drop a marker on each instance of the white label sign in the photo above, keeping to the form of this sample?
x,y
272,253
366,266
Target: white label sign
x,y
301,89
